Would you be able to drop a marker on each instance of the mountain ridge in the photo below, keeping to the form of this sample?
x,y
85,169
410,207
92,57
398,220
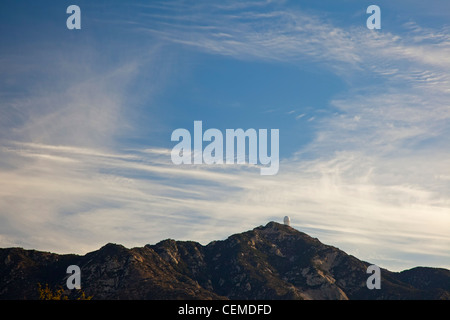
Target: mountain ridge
x,y
274,261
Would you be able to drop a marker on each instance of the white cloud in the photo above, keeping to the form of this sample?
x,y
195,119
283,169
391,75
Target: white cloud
x,y
375,159
293,36
100,197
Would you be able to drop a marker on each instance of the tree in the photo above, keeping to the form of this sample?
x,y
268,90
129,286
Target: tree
x,y
45,293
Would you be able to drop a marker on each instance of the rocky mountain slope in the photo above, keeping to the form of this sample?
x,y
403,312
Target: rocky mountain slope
x,y
269,262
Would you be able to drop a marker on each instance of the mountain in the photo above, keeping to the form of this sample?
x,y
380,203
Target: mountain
x,y
269,262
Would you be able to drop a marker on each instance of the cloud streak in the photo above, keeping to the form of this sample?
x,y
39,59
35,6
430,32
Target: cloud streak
x,y
98,197
382,132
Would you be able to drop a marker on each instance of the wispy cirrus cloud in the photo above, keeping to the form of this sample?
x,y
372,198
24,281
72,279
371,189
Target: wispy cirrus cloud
x,y
261,30
252,33
134,198
394,114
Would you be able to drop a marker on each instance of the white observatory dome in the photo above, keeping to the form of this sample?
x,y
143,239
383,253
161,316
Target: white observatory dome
x,y
287,221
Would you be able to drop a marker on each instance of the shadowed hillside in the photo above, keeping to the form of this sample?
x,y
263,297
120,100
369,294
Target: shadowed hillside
x,y
269,262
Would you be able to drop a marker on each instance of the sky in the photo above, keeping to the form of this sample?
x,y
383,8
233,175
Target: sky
x,y
86,118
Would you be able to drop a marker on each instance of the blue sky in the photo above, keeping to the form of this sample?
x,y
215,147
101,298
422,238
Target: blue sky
x,y
86,118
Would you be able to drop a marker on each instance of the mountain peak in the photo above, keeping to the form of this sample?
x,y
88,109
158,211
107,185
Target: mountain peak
x,y
273,225
277,226
112,248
